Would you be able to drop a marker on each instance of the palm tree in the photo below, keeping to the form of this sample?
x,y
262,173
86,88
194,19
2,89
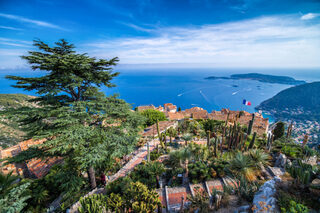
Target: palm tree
x,y
185,155
187,137
172,132
242,165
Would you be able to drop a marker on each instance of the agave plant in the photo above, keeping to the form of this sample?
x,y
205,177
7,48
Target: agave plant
x,y
259,158
242,166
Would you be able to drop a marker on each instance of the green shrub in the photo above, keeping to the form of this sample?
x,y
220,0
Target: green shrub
x,y
198,172
295,208
147,174
95,203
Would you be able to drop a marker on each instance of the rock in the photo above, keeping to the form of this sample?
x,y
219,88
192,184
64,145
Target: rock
x,y
315,183
265,199
282,160
243,209
312,161
276,171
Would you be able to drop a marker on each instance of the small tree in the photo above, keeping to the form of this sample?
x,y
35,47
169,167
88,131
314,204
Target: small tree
x,y
172,132
278,131
152,116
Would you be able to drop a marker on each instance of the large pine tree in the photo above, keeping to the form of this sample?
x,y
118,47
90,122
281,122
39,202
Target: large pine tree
x,y
79,122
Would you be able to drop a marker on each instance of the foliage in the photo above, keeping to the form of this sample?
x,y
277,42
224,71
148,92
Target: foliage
x,y
10,131
147,174
242,166
299,97
14,200
152,116
245,189
125,194
198,172
140,199
187,137
259,158
200,202
212,125
95,203
301,172
290,149
172,132
80,124
289,204
278,131
189,127
6,182
154,155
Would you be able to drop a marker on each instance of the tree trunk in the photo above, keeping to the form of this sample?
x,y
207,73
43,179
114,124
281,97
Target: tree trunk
x,y
92,177
187,170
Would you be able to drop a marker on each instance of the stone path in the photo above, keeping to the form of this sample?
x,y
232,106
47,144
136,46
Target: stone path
x,y
139,156
137,159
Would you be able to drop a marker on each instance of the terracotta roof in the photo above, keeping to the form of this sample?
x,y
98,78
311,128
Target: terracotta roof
x,y
167,104
141,108
176,115
202,114
35,167
194,109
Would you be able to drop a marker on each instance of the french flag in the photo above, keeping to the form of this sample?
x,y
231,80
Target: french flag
x,y
245,102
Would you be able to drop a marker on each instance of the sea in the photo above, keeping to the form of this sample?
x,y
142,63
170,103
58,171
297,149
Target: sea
x,y
186,87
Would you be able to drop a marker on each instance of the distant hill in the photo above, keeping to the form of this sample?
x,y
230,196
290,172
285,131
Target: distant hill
x,y
262,78
10,133
300,102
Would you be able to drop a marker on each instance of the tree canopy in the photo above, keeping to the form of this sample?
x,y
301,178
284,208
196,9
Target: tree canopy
x,y
153,116
77,120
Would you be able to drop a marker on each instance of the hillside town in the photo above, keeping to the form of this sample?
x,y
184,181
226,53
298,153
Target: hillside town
x,y
260,124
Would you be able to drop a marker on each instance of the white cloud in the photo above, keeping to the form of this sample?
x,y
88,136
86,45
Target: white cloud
x,y
278,41
10,28
309,16
30,21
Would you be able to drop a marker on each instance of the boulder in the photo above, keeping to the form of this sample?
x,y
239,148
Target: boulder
x,y
276,171
315,187
281,161
265,199
312,161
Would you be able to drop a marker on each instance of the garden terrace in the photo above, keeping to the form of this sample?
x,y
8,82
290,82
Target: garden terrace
x,y
163,126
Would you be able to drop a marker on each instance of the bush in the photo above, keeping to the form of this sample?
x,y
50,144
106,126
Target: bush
x,y
147,174
198,172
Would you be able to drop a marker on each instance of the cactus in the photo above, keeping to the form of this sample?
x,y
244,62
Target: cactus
x,y
159,135
253,140
251,124
301,172
208,138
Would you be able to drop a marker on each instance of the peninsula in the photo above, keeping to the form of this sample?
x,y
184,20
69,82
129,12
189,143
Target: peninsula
x,y
262,78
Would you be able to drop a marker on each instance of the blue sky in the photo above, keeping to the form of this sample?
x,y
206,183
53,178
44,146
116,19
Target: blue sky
x,y
184,33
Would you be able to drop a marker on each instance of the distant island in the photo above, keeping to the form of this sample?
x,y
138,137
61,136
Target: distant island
x,y
262,78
